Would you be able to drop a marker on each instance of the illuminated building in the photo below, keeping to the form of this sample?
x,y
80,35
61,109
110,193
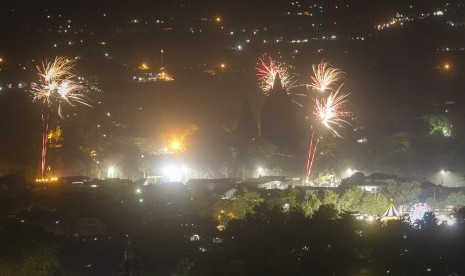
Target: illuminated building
x,y
145,74
163,74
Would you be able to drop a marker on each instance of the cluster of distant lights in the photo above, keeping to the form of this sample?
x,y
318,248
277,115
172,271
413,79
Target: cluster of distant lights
x,y
448,49
218,20
454,24
19,84
399,19
137,21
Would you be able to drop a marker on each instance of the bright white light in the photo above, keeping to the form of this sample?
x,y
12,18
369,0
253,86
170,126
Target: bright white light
x,y
445,219
239,47
350,172
443,172
260,170
417,212
138,191
111,172
175,173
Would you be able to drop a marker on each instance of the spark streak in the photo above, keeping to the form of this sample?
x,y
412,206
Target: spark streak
x,y
57,84
330,113
267,72
324,76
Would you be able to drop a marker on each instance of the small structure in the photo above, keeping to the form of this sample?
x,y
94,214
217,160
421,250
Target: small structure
x,y
229,194
194,238
391,213
217,240
268,183
224,187
274,184
377,182
163,75
145,74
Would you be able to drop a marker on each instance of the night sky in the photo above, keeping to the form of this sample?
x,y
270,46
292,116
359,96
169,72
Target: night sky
x,y
395,75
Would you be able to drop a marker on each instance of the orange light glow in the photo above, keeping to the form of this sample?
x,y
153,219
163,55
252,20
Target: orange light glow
x,y
47,180
143,66
175,145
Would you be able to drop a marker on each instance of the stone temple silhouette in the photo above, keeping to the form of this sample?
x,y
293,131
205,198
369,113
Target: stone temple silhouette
x,y
281,120
247,128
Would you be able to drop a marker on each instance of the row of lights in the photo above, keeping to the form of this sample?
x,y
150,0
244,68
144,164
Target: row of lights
x,y
46,180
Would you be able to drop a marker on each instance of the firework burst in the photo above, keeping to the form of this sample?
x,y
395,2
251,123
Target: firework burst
x,y
328,109
325,77
267,72
57,84
330,113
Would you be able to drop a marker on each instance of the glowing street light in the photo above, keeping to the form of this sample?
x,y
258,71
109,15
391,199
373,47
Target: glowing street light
x,y
260,171
218,19
222,66
111,172
444,176
175,145
351,172
446,67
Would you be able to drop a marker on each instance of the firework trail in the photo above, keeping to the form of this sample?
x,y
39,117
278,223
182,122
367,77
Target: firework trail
x,y
328,110
45,118
325,77
330,113
56,85
311,156
267,72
